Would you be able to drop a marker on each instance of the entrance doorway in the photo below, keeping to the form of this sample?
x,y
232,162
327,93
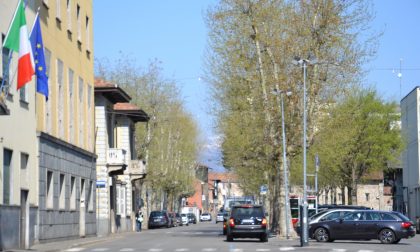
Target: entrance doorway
x,y
24,219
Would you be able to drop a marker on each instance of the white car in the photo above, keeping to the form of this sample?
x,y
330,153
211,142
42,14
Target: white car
x,y
205,217
184,219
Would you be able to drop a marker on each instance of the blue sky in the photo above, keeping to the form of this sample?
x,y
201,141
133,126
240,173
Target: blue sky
x,y
174,32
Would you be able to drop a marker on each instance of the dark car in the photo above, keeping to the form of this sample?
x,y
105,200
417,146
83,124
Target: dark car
x,y
388,227
192,218
247,221
159,219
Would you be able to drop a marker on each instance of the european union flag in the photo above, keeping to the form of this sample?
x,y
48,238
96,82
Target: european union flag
x,y
39,58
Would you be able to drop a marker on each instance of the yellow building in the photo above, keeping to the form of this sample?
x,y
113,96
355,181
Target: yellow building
x,y
65,123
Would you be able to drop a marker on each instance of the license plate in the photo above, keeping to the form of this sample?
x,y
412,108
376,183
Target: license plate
x,y
247,221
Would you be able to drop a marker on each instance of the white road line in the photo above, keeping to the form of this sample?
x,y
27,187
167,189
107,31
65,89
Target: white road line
x,y
338,250
208,249
127,249
75,249
263,250
155,250
286,248
362,250
236,250
182,249
100,249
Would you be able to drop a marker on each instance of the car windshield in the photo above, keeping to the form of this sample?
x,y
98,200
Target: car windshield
x,y
246,212
316,215
156,214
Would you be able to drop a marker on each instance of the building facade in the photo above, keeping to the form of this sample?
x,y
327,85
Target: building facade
x,y
18,149
411,157
65,122
118,168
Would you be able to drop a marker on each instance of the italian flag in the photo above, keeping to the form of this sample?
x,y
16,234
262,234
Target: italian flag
x,y
17,40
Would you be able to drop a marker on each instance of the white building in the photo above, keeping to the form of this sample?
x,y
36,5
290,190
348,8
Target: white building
x,y
117,165
410,109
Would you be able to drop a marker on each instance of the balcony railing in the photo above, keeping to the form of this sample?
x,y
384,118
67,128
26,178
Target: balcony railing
x,y
137,169
117,157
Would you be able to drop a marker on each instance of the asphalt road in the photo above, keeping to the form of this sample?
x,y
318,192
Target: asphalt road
x,y
207,237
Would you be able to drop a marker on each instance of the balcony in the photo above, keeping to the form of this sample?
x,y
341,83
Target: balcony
x,y
137,169
116,161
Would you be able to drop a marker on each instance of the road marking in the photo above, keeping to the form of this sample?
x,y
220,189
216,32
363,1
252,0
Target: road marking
x,y
338,250
75,249
362,250
100,249
208,249
182,249
155,250
127,249
263,250
236,250
286,248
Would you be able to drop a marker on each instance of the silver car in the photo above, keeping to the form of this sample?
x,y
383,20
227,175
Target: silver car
x,y
184,219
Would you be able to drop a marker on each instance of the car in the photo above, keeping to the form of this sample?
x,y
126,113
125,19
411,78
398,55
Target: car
x,y
221,216
159,219
247,221
325,215
192,218
388,227
205,217
184,219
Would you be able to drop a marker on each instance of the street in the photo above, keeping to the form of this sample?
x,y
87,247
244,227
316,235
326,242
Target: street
x,y
208,237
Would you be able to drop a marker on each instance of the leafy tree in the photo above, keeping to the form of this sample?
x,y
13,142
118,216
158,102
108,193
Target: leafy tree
x,y
251,46
168,142
358,137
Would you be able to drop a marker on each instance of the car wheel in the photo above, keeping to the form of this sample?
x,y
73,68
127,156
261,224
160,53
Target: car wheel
x,y
387,236
321,235
264,238
229,238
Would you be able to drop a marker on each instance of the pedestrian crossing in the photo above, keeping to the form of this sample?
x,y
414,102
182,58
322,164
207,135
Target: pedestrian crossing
x,y
214,250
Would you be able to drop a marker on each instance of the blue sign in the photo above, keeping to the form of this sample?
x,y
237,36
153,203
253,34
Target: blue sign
x,y
100,184
263,189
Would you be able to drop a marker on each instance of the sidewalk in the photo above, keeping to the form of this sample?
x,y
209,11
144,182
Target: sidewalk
x,y
67,244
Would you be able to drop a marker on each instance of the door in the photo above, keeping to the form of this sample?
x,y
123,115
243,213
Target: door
x,y
82,210
348,226
24,220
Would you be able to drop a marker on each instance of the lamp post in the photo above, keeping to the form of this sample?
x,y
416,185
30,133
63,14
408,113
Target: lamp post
x,y
286,180
304,220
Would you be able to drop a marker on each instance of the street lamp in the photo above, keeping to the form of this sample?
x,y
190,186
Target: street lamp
x,y
286,182
304,220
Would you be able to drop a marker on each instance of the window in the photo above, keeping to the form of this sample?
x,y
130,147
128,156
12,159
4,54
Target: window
x,y
120,200
71,105
50,191
87,32
82,191
91,193
89,117
72,193
23,95
69,20
60,85
355,216
58,9
79,25
62,199
5,62
367,196
331,216
81,111
48,109
7,166
386,216
24,158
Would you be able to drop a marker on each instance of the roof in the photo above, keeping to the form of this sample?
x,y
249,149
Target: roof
x,y
132,111
223,176
111,91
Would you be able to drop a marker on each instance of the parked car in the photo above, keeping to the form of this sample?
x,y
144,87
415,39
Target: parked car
x,y
247,221
205,217
192,218
221,216
388,227
159,219
184,219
